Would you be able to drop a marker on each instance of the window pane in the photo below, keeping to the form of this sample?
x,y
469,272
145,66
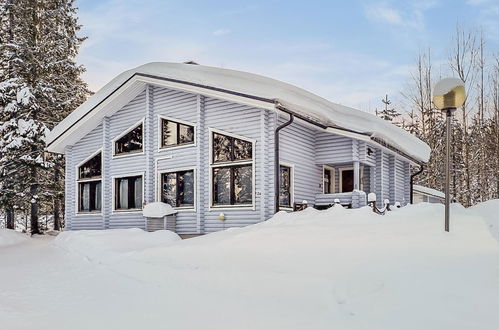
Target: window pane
x,y
128,193
98,195
186,188
130,142
221,185
186,134
85,196
91,168
285,186
243,185
169,132
169,195
221,148
242,150
89,196
122,193
138,193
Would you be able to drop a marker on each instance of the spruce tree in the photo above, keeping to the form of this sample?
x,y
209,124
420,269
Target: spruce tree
x,y
388,113
39,85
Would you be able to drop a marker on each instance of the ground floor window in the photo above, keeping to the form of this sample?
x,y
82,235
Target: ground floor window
x,y
128,191
89,196
89,184
177,188
285,186
232,185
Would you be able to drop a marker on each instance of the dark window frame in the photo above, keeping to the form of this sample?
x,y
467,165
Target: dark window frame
x,y
232,156
163,121
121,136
177,190
92,181
290,189
232,185
231,165
130,193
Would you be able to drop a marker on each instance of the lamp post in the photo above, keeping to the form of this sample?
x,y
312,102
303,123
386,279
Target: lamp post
x,y
448,95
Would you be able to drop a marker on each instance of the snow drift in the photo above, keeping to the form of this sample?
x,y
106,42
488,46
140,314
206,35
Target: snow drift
x,y
10,237
108,244
331,269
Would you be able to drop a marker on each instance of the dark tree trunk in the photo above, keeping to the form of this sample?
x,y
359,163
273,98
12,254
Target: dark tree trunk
x,y
10,219
34,206
57,203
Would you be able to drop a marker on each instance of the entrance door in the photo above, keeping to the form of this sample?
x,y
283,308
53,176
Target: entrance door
x,y
346,180
328,181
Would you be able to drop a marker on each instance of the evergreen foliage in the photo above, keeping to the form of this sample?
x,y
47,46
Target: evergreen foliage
x,y
40,84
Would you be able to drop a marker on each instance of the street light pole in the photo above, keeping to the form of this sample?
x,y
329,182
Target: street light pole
x,y
448,95
447,166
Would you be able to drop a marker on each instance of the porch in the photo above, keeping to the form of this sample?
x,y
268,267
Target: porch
x,y
347,183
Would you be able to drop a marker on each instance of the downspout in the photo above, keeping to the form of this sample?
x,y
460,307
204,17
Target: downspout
x,y
276,158
412,181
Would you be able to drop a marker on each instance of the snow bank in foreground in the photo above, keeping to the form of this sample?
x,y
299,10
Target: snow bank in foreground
x,y
10,237
489,211
331,269
105,244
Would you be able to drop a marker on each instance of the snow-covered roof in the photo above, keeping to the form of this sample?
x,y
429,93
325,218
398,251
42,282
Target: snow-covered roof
x,y
224,83
428,191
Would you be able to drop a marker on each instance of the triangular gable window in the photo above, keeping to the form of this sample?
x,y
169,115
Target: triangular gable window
x,y
130,142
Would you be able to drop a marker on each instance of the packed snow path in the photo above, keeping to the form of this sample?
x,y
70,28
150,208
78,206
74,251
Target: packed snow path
x,y
341,269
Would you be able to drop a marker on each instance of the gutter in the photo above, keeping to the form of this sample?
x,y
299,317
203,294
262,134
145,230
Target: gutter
x,y
412,181
277,171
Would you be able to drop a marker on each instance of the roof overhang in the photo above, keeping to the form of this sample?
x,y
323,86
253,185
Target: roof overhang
x,y
79,124
62,136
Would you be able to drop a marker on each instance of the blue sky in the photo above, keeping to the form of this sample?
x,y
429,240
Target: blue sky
x,y
350,52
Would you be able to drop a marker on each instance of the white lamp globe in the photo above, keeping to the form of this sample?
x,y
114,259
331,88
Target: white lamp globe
x,y
449,93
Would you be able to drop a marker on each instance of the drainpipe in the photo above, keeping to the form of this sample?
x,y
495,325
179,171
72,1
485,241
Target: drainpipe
x,y
276,159
412,181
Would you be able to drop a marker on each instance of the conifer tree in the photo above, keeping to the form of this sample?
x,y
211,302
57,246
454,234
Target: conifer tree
x,y
388,113
39,85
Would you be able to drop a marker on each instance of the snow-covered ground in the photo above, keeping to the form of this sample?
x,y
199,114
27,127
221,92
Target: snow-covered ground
x,y
332,269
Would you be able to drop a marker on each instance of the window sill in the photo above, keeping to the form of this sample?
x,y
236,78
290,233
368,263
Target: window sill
x,y
232,207
128,154
178,146
128,211
88,213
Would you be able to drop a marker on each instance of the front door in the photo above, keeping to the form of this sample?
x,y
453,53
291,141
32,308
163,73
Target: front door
x,y
346,180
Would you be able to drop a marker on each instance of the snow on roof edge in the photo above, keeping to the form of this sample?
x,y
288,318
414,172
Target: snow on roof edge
x,y
429,191
297,99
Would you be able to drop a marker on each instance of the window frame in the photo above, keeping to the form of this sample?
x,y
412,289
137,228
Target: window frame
x,y
333,182
176,146
78,181
291,185
128,130
114,193
213,165
175,170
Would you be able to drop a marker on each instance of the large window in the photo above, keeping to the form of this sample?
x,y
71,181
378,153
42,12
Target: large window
x,y
130,142
89,185
175,134
177,188
232,170
285,186
128,193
